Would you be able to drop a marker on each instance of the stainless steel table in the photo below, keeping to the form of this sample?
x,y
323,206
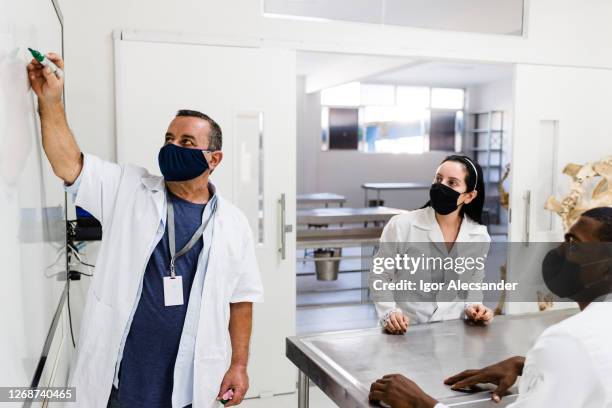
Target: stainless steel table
x,y
344,364
337,237
378,187
326,216
321,199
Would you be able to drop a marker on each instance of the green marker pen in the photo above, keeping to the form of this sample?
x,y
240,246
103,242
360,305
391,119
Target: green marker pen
x,y
47,62
229,394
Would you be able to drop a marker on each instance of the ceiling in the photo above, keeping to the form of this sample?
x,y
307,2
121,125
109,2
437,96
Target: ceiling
x,y
452,74
309,63
403,71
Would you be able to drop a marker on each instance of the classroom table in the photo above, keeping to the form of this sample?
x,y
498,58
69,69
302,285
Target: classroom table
x,y
378,187
344,364
324,199
345,215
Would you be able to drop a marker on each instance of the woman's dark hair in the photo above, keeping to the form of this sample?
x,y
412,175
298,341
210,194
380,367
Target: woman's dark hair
x,y
474,181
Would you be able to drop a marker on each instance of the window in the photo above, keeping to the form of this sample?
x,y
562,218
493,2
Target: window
x,y
378,95
394,129
447,98
343,128
442,134
379,118
479,16
343,95
413,96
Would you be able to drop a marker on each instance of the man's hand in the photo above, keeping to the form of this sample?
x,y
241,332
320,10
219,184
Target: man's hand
x,y
502,374
398,391
46,85
236,379
397,323
479,313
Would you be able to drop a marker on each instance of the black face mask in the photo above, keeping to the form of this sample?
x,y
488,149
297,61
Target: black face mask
x,y
562,277
443,198
179,163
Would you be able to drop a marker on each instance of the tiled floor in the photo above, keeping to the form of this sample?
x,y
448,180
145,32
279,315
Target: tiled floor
x,y
347,288
333,305
317,400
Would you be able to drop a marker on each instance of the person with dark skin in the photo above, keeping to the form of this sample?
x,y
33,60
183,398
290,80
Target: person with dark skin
x,y
565,366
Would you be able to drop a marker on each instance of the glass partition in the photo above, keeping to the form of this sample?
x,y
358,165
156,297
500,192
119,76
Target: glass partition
x,y
503,17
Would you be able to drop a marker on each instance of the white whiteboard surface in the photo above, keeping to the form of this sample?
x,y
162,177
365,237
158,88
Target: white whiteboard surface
x,y
32,221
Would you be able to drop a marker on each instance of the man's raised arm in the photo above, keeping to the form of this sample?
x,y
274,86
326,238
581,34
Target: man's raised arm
x,y
57,139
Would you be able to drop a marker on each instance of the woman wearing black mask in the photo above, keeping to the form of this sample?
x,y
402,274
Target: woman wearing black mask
x,y
453,214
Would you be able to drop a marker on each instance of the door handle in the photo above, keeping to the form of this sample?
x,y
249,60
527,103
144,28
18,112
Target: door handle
x,y
527,199
284,228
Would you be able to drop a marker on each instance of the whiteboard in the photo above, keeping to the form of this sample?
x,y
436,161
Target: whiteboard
x,y
32,210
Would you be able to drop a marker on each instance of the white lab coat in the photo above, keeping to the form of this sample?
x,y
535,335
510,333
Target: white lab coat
x,y
131,205
420,226
570,364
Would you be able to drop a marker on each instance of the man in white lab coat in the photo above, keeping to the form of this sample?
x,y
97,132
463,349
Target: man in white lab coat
x,y
570,364
168,316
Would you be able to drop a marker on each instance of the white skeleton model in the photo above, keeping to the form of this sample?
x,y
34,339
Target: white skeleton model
x,y
577,201
571,206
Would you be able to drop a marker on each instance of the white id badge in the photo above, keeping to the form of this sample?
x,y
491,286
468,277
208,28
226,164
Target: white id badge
x,y
173,290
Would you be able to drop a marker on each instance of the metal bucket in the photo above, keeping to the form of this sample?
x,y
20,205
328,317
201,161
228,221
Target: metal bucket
x,y
327,270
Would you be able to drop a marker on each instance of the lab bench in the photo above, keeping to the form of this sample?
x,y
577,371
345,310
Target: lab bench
x,y
344,364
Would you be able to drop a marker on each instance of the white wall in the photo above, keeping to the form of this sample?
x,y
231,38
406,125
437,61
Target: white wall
x,y
579,100
498,95
308,137
560,32
343,172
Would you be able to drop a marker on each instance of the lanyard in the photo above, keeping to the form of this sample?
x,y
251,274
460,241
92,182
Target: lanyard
x,y
196,236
